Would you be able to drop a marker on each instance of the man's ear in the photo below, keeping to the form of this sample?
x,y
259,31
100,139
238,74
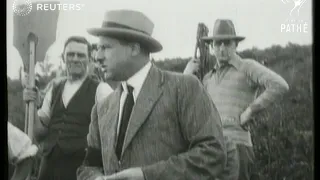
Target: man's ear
x,y
136,49
236,43
91,59
62,57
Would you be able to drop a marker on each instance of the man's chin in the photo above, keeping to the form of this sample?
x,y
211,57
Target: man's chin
x,y
114,77
77,76
223,59
109,76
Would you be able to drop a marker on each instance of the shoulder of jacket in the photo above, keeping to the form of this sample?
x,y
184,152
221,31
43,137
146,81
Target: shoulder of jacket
x,y
103,104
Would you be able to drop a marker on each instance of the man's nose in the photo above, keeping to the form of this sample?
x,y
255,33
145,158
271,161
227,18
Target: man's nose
x,y
222,46
100,57
100,60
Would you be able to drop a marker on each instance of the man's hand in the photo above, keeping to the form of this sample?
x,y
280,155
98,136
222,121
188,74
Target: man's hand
x,y
24,79
245,117
192,66
128,174
31,94
28,94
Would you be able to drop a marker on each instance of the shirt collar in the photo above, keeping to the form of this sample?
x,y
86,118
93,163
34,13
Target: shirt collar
x,y
235,62
137,80
78,81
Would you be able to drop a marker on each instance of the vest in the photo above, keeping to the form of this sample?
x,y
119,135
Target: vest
x,y
232,92
69,126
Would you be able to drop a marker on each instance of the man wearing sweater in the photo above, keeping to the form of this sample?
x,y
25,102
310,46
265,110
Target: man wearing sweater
x,y
233,85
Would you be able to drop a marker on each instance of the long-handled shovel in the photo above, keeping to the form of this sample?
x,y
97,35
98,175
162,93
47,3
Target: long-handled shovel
x,y
32,40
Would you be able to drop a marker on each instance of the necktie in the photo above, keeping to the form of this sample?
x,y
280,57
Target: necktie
x,y
126,113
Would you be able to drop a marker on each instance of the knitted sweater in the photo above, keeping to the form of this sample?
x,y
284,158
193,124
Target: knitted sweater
x,y
233,88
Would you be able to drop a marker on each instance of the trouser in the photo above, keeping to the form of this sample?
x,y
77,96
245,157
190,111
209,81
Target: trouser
x,y
231,171
247,169
59,165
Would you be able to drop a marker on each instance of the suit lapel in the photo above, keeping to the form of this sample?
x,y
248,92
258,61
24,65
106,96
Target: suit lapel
x,y
150,92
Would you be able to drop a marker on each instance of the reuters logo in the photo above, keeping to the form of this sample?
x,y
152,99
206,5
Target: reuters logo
x,y
22,7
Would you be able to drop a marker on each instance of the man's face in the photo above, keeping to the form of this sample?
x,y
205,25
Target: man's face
x,y
77,59
114,57
223,49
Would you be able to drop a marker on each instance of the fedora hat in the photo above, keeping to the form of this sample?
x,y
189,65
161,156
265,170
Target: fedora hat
x,y
223,29
128,25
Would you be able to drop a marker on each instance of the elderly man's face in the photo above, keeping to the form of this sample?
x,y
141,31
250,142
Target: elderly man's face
x,y
114,58
77,59
223,49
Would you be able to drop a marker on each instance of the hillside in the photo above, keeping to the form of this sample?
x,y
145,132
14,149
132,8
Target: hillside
x,y
282,135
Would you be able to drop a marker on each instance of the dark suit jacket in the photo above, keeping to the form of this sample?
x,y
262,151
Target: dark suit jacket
x,y
174,132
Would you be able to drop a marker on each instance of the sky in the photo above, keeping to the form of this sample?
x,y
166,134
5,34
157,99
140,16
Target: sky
x,y
176,21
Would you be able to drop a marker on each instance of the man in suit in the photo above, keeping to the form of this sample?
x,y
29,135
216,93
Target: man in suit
x,y
156,124
62,122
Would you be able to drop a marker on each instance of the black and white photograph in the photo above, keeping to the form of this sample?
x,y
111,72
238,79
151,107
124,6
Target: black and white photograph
x,y
160,90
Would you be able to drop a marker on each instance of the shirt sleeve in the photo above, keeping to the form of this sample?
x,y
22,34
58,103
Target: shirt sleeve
x,y
273,84
14,64
45,111
103,91
20,146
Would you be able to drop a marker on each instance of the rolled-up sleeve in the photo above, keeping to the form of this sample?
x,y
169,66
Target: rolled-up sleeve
x,y
45,111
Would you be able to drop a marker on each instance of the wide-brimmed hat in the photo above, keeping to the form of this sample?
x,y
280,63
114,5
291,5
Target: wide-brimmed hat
x,y
223,30
128,25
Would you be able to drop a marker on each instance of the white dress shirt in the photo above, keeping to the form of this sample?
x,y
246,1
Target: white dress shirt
x,y
136,81
69,90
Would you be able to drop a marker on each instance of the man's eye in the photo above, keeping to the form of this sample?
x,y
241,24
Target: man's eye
x,y
103,47
70,54
81,55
